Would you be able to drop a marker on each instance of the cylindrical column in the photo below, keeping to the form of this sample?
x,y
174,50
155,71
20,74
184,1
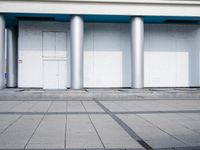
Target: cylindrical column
x,y
11,57
76,39
2,51
137,49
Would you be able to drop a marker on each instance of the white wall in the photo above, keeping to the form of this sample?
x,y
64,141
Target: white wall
x,y
171,54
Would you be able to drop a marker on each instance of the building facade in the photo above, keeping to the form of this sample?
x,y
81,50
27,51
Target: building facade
x,y
59,44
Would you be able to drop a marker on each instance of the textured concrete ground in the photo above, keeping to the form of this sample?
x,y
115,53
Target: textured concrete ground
x,y
102,119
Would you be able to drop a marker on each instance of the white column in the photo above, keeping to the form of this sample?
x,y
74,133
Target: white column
x,y
76,39
2,51
11,57
137,48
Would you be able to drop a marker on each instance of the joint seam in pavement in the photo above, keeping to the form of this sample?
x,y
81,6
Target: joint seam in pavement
x,y
13,122
94,126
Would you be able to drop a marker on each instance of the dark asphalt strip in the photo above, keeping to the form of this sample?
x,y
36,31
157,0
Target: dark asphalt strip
x,y
125,127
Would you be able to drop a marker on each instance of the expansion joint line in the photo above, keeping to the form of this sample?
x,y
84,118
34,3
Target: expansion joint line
x,y
130,132
94,126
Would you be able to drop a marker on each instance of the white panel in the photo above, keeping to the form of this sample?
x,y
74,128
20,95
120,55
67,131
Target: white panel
x,y
171,55
61,44
182,69
126,55
50,75
107,56
88,55
108,69
107,37
62,75
49,44
166,69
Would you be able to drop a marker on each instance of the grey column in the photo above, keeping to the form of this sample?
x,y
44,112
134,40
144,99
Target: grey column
x,y
137,49
11,57
2,51
76,39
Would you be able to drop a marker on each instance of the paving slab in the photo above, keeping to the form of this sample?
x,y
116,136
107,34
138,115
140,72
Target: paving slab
x,y
134,120
155,106
23,107
44,124
151,134
113,107
170,118
7,105
16,136
91,106
146,105
129,105
81,133
58,106
50,133
174,128
112,135
192,116
192,125
166,144
41,106
185,105
6,121
75,106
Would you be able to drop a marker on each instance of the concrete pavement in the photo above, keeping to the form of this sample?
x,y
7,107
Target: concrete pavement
x,y
108,123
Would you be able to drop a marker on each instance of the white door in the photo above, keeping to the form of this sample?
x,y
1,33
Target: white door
x,y
54,74
54,60
50,76
49,44
61,44
62,74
